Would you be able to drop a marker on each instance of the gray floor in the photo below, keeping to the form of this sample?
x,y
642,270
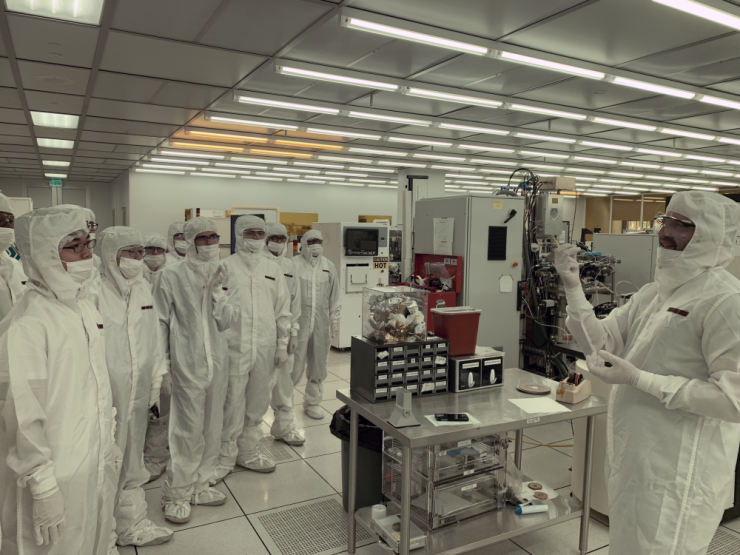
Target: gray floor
x,y
313,472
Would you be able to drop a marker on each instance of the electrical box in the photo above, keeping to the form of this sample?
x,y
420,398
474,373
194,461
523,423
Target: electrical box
x,y
549,215
557,183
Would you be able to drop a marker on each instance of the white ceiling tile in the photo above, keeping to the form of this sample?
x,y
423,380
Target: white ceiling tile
x,y
629,135
172,19
702,76
55,133
152,129
261,27
6,75
120,138
9,98
343,121
106,125
402,58
52,41
139,112
332,92
186,95
402,103
517,79
133,149
583,93
730,87
131,88
91,154
565,125
53,77
11,116
266,79
721,121
464,69
52,102
166,59
663,108
15,140
14,129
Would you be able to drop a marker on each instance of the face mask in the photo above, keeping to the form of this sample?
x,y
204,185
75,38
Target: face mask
x,y
154,261
7,238
207,253
275,248
665,256
131,268
181,246
252,245
81,270
315,250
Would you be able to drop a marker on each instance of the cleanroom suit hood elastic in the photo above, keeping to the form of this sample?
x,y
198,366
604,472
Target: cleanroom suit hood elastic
x,y
56,414
173,230
12,277
672,440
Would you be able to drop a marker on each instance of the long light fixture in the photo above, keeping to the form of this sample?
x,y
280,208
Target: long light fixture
x,y
299,170
261,178
281,153
316,165
640,165
563,68
687,134
703,11
658,152
140,170
190,162
545,138
308,145
720,102
605,145
55,163
486,148
473,129
439,157
201,146
629,124
238,121
206,174
55,143
460,99
288,105
79,11
343,133
546,112
543,154
342,159
59,121
730,141
191,154
388,31
401,164
166,167
375,151
320,76
56,175
258,160
371,169
706,158
676,169
226,136
653,88
597,160
241,166
393,119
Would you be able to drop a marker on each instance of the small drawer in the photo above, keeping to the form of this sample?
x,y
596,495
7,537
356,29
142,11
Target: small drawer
x,y
426,375
440,361
412,351
440,386
397,378
412,377
381,380
442,348
382,366
412,362
394,391
397,365
413,388
427,362
440,372
381,354
381,393
427,388
427,349
397,352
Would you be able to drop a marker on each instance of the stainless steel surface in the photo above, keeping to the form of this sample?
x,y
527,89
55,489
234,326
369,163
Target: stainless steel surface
x,y
518,448
487,529
405,501
490,406
583,542
354,421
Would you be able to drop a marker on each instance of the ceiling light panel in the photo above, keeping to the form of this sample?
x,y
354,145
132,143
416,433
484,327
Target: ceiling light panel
x,y
545,138
393,119
343,133
55,143
66,164
486,148
288,105
473,129
320,76
653,88
562,68
547,112
59,121
418,141
687,134
56,175
239,121
460,99
192,154
620,123
79,11
703,11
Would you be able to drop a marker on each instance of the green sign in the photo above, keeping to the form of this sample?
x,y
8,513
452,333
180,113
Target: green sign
x,y
56,183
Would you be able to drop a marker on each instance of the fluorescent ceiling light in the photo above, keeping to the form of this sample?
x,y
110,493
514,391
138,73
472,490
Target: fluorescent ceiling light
x,y
418,141
676,186
308,145
460,99
587,171
464,176
276,173
57,175
348,174
371,169
335,78
604,145
55,143
226,136
202,146
597,160
667,191
635,189
354,23
237,121
341,159
189,162
315,165
705,188
675,169
438,157
49,119
472,182
629,124
557,113
298,170
55,163
730,141
458,168
79,11
260,178
369,180
545,138
474,129
240,166
166,167
288,105
486,148
640,165
487,161
687,134
720,102
382,186
533,153
343,133
700,10
733,162
623,174
658,152
721,174
660,177
260,160
159,171
346,184
613,181
220,170
374,151
706,158
685,180
204,174
319,181
281,153
724,183
563,68
652,88
365,115
402,164
192,154
544,167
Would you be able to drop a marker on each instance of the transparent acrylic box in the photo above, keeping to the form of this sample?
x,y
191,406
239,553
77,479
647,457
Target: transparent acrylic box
x,y
394,314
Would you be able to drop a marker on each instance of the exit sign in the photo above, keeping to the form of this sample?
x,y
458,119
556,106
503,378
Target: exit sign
x,y
56,183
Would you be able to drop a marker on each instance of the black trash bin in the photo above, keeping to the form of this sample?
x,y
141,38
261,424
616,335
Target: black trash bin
x,y
369,459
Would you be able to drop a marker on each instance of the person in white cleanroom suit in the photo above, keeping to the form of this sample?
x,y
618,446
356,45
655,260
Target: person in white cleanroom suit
x,y
177,246
674,353
56,412
320,313
12,277
156,448
136,365
257,344
196,301
283,426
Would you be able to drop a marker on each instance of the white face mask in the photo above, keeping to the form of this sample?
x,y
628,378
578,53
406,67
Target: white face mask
x,y
181,247
276,248
7,238
81,270
154,261
207,253
252,245
131,268
315,250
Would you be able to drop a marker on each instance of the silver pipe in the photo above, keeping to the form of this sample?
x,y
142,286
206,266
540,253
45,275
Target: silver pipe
x,y
405,541
518,448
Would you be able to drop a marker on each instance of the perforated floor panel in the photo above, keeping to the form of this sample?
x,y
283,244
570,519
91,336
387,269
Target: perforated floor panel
x,y
277,450
312,528
724,543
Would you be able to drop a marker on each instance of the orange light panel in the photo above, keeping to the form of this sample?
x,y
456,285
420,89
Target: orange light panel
x,y
281,153
309,145
228,137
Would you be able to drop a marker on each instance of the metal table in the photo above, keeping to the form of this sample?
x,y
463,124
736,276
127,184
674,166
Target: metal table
x,y
497,416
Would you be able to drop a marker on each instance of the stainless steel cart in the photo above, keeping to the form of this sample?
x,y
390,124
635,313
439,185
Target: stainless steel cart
x,y
497,416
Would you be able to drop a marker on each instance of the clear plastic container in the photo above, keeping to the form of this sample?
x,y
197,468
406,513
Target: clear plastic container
x,y
394,314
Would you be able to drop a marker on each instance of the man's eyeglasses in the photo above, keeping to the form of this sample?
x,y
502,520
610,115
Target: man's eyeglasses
x,y
211,239
92,226
80,247
315,242
673,223
134,253
277,239
253,234
178,237
151,251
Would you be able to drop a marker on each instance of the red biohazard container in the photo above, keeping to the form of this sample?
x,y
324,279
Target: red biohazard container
x,y
459,325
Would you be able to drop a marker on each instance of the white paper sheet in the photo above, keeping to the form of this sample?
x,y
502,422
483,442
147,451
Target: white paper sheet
x,y
443,229
539,405
506,284
471,420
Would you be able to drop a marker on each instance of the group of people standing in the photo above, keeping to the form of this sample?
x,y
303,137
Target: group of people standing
x,y
155,357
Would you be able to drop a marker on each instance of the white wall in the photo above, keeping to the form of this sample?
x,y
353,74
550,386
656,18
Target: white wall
x,y
578,207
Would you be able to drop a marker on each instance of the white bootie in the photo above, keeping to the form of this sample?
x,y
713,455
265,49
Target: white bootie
x,y
293,437
176,511
209,497
314,411
260,463
145,534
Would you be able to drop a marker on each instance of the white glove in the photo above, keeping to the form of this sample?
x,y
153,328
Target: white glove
x,y
567,265
292,344
618,372
167,384
281,357
49,514
117,458
218,279
154,396
334,328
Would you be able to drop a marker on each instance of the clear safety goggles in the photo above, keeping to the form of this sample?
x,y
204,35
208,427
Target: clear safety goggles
x,y
673,224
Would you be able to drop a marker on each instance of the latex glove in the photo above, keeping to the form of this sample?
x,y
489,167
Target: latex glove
x,y
154,396
281,357
49,514
218,279
334,328
567,265
167,384
117,458
612,369
292,344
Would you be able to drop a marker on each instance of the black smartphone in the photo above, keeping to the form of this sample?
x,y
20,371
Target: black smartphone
x,y
451,417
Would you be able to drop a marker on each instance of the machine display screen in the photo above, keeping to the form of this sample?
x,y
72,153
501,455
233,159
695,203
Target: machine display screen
x,y
361,242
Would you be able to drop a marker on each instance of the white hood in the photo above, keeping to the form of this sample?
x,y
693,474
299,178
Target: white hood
x,y
240,226
6,205
313,234
153,239
272,229
112,240
201,268
173,230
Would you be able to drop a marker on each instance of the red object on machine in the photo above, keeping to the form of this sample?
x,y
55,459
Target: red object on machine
x,y
459,325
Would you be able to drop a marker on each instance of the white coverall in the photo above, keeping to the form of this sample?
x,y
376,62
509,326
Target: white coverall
x,y
174,229
264,327
320,311
672,441
282,393
136,365
12,277
192,318
56,412
157,447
